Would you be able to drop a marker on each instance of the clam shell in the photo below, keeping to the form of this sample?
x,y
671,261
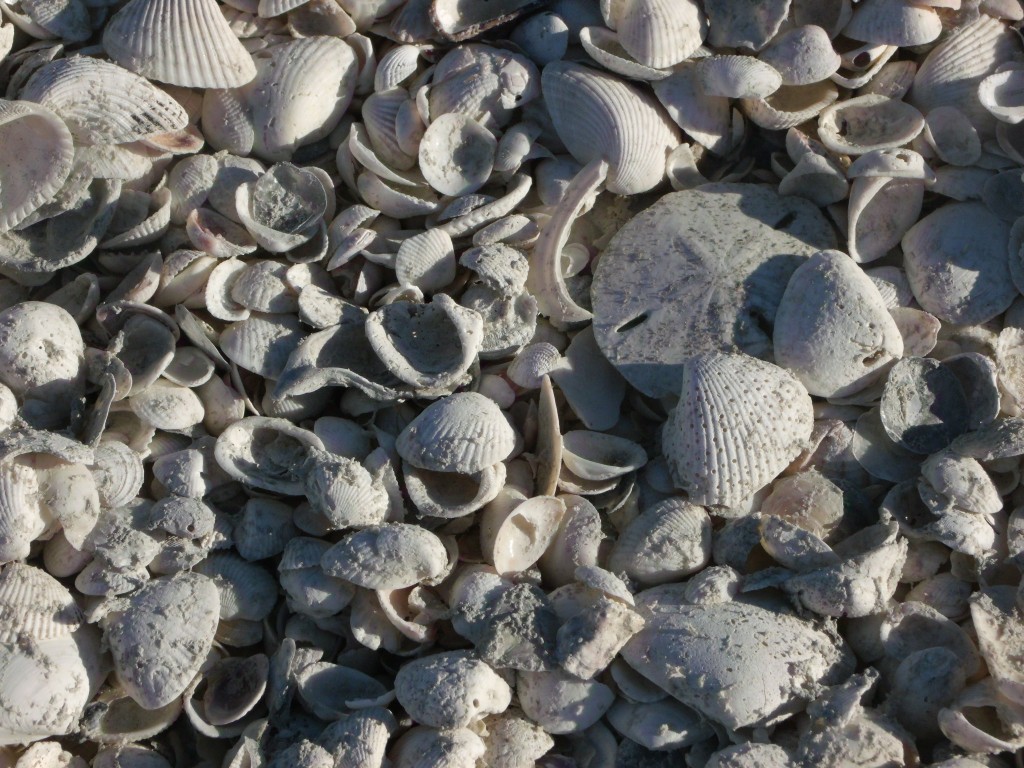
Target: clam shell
x,y
708,119
748,23
41,350
955,140
957,263
737,77
266,453
450,494
598,116
247,591
329,690
666,542
456,154
514,535
599,456
561,703
737,249
160,635
426,260
660,33
390,556
283,208
880,212
660,725
867,123
35,606
923,405
421,746
721,456
828,304
39,153
994,616
790,105
160,39
118,473
451,690
457,21
893,22
167,406
464,433
1000,94
802,55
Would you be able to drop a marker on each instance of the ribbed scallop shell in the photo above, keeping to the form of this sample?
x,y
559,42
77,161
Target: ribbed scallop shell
x,y
302,89
600,116
167,406
666,542
344,492
427,345
247,591
950,74
34,606
261,287
182,42
21,516
103,103
262,343
37,151
464,433
389,556
380,114
893,22
660,33
118,473
737,77
159,636
833,329
721,454
426,260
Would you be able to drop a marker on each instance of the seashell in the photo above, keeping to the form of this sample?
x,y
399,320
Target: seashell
x,y
998,731
953,69
246,590
189,368
667,541
330,690
791,105
344,492
995,615
159,39
603,46
543,37
261,287
456,154
450,495
737,77
954,282
167,406
923,405
999,194
262,343
588,641
639,332
999,94
598,456
422,746
708,119
817,179
282,208
658,34
41,350
266,453
159,636
406,338
802,55
950,132
426,260
118,473
660,725
734,457
623,126
217,235
747,24
881,211
457,22
561,703
515,532
464,433
867,123
450,690
360,739
893,22
532,364
234,686
41,154
390,556
399,204
830,361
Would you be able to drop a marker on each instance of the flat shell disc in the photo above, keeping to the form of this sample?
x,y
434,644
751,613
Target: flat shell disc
x,y
699,271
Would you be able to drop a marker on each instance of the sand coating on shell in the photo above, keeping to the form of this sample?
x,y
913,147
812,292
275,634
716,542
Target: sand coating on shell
x,y
39,344
699,271
720,453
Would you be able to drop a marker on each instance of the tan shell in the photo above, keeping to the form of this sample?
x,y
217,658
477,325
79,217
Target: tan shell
x,y
719,455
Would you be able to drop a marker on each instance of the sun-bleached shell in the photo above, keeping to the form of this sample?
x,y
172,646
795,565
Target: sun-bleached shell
x,y
720,456
344,492
161,39
665,542
451,690
867,123
737,77
464,432
828,303
708,119
266,453
426,261
515,532
660,33
389,556
893,22
748,24
802,55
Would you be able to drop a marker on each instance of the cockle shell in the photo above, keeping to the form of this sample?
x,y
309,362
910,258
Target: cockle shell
x,y
343,491
262,343
389,556
464,433
622,125
246,590
159,636
737,77
721,456
39,153
450,690
830,295
738,270
667,541
802,55
659,33
893,22
162,39
266,453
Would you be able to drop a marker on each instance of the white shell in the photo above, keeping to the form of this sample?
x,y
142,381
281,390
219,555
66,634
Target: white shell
x,y
737,77
893,22
456,154
802,55
451,690
867,123
266,453
667,541
561,703
390,556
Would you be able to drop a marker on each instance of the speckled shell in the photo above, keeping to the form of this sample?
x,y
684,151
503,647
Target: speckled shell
x,y
450,690
721,455
159,636
464,432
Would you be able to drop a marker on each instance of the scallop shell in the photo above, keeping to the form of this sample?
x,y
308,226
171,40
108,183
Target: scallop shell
x,y
390,556
266,453
118,473
831,295
622,125
660,33
802,55
427,345
426,260
464,433
450,690
957,263
893,22
867,123
737,77
39,153
261,287
262,343
160,635
666,542
159,39
22,520
344,492
735,454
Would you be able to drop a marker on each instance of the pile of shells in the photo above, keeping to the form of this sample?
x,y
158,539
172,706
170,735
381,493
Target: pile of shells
x,y
511,384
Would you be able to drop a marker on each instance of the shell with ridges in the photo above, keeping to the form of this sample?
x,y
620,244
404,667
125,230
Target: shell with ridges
x,y
451,690
667,541
389,556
